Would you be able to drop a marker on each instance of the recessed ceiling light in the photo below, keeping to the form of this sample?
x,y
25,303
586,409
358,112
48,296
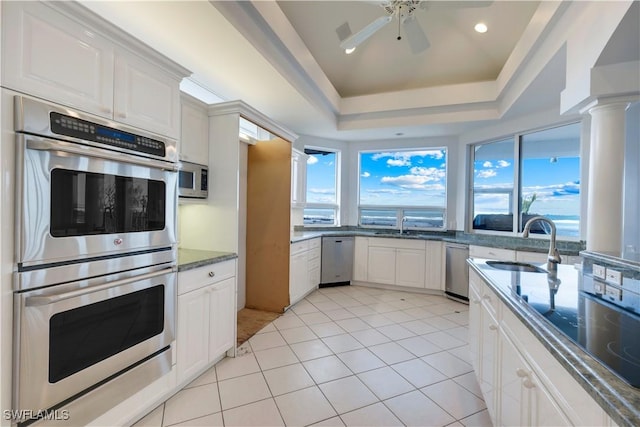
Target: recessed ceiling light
x,y
481,27
350,50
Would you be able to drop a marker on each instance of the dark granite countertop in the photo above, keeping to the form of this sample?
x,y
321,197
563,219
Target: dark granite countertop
x,y
618,399
572,248
193,258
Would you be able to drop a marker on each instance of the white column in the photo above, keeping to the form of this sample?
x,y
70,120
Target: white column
x,y
606,177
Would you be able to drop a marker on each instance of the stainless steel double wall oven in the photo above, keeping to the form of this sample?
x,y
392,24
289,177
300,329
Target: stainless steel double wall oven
x,y
95,287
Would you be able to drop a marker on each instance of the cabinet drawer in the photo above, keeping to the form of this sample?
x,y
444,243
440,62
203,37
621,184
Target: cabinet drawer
x,y
491,253
203,276
314,254
313,263
315,243
397,243
298,247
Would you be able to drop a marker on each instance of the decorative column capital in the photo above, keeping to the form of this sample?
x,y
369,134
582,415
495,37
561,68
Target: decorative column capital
x,y
609,103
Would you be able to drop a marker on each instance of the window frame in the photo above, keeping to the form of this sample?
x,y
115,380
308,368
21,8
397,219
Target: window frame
x,y
335,207
400,209
515,198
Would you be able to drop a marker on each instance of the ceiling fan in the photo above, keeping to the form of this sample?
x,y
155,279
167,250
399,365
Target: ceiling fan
x,y
404,11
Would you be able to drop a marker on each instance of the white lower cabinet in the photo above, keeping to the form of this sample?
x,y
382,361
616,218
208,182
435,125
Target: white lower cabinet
x,y
382,265
410,265
304,268
206,320
521,382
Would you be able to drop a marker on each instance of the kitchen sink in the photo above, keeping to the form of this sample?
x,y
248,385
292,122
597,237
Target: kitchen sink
x,y
515,266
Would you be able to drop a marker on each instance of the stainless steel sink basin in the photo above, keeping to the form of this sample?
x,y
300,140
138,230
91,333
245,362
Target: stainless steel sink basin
x,y
515,266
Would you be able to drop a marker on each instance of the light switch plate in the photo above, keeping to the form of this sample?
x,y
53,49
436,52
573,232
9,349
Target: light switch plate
x,y
614,293
599,271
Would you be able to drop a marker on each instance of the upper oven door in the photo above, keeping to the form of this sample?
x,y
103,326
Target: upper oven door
x,y
75,202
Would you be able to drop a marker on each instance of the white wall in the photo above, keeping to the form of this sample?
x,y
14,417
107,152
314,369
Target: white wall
x,y
631,212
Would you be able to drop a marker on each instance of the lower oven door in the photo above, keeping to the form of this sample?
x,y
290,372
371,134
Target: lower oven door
x,y
75,201
73,337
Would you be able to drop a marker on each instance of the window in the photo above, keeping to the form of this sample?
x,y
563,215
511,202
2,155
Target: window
x,y
531,174
322,187
403,186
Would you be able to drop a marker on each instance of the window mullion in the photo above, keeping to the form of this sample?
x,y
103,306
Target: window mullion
x,y
517,190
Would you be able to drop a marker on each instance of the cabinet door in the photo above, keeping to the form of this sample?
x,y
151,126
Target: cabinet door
x,y
298,178
514,397
298,276
382,265
194,131
475,329
434,273
360,258
544,409
489,360
410,267
51,56
146,97
222,317
192,334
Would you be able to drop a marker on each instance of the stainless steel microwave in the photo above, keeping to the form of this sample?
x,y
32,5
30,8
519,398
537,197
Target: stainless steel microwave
x,y
193,180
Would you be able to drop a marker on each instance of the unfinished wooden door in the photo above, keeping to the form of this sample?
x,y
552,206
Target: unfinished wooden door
x,y
268,225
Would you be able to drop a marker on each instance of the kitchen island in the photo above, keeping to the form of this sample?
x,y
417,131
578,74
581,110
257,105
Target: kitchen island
x,y
528,337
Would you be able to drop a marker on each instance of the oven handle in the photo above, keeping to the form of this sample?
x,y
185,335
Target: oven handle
x,y
40,300
40,144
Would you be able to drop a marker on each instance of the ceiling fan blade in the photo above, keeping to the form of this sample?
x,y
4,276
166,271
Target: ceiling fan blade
x,y
357,38
418,41
458,4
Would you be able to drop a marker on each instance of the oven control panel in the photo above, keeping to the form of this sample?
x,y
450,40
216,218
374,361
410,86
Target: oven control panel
x,y
83,129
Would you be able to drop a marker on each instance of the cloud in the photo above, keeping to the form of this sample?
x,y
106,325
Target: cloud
x,y
365,174
431,174
387,191
487,164
404,158
502,164
322,191
414,182
487,173
399,162
312,160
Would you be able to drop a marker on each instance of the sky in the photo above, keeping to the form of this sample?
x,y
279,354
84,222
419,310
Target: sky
x,y
556,184
403,178
321,178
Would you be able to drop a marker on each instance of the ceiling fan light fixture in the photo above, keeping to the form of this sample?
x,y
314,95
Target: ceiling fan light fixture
x,y
481,27
350,50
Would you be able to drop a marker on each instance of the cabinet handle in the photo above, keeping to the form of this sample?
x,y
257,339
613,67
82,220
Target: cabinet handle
x,y
211,274
493,327
475,301
122,115
527,383
521,373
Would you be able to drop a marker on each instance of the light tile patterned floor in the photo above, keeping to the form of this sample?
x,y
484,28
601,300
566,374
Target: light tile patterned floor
x,y
344,356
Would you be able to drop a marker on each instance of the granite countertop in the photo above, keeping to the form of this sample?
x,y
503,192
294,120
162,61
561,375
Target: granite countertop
x,y
193,258
620,400
504,242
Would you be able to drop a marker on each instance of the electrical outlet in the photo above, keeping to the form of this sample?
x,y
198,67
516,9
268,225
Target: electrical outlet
x,y
614,277
599,271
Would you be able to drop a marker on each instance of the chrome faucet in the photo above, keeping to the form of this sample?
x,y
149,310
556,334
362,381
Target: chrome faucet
x,y
554,256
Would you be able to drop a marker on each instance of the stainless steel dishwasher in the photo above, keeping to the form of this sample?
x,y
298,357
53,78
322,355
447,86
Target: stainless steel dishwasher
x,y
457,272
337,261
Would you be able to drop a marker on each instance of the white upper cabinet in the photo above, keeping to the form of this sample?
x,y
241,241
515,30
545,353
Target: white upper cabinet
x,y
49,55
62,52
298,178
194,133
145,96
